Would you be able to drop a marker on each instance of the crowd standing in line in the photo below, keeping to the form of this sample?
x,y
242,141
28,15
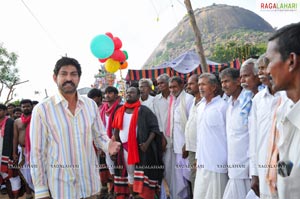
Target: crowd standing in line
x,y
188,141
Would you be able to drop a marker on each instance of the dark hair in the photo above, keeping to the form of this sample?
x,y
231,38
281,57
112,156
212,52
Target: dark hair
x,y
64,61
3,107
94,92
137,89
288,40
26,101
11,104
17,109
230,72
176,79
111,89
34,102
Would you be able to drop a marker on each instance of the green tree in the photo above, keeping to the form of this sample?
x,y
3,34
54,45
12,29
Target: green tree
x,y
231,50
9,73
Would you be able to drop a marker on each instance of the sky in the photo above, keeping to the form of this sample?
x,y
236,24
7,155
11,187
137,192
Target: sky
x,y
41,31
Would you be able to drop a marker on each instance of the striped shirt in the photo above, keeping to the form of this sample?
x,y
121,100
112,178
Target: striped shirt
x,y
63,160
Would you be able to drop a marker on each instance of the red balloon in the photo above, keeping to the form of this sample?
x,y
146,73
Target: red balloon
x,y
102,60
110,35
118,55
117,42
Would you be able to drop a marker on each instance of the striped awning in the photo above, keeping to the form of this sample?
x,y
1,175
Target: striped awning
x,y
154,73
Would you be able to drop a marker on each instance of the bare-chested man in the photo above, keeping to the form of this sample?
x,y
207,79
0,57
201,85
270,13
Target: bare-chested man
x,y
21,144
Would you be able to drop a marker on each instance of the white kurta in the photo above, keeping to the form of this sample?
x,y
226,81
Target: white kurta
x,y
211,154
261,115
288,124
178,134
237,146
161,107
148,102
190,130
211,135
237,141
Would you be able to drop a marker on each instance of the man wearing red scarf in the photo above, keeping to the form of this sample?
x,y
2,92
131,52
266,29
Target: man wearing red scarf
x,y
21,144
139,162
6,147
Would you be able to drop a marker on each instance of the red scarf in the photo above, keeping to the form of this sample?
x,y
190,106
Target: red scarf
x,y
2,125
108,111
26,121
133,153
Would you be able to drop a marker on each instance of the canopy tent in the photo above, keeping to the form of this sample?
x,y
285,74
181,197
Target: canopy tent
x,y
184,66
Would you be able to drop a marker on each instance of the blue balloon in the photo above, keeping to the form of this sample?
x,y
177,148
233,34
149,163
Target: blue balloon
x,y
102,46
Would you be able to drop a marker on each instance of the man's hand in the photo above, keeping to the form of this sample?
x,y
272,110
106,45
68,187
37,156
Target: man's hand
x,y
15,158
144,146
185,153
255,185
113,146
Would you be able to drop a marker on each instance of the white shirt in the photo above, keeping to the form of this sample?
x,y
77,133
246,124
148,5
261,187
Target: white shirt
x,y
179,126
191,130
126,123
237,141
288,124
148,102
161,106
211,151
260,123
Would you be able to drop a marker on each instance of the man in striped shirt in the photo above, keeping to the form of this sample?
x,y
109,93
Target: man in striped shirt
x,y
62,130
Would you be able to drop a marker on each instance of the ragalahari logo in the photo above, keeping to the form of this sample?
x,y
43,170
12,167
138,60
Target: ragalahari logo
x,y
279,5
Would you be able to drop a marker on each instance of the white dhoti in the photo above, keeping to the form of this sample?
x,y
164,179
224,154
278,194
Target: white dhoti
x,y
169,173
237,188
182,175
209,185
25,169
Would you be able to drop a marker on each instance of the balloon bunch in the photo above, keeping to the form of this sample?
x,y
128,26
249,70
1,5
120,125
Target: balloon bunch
x,y
107,49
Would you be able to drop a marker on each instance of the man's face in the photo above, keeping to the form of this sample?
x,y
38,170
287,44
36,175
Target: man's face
x,y
132,95
26,108
110,96
67,79
98,100
229,86
278,69
262,73
17,114
2,113
162,85
192,86
144,89
206,89
249,81
10,109
175,88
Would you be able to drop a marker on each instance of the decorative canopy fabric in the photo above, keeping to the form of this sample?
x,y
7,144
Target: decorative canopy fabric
x,y
184,66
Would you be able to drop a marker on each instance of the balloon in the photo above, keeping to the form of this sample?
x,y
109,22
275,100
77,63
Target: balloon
x,y
126,54
110,35
112,66
102,46
118,55
117,42
102,60
124,65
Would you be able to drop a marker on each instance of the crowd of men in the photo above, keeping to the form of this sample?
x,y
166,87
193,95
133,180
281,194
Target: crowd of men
x,y
231,135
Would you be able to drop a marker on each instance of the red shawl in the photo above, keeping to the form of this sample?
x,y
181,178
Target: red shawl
x,y
133,153
26,121
108,111
2,125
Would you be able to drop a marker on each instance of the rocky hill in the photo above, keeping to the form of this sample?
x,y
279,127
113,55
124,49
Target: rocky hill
x,y
219,24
